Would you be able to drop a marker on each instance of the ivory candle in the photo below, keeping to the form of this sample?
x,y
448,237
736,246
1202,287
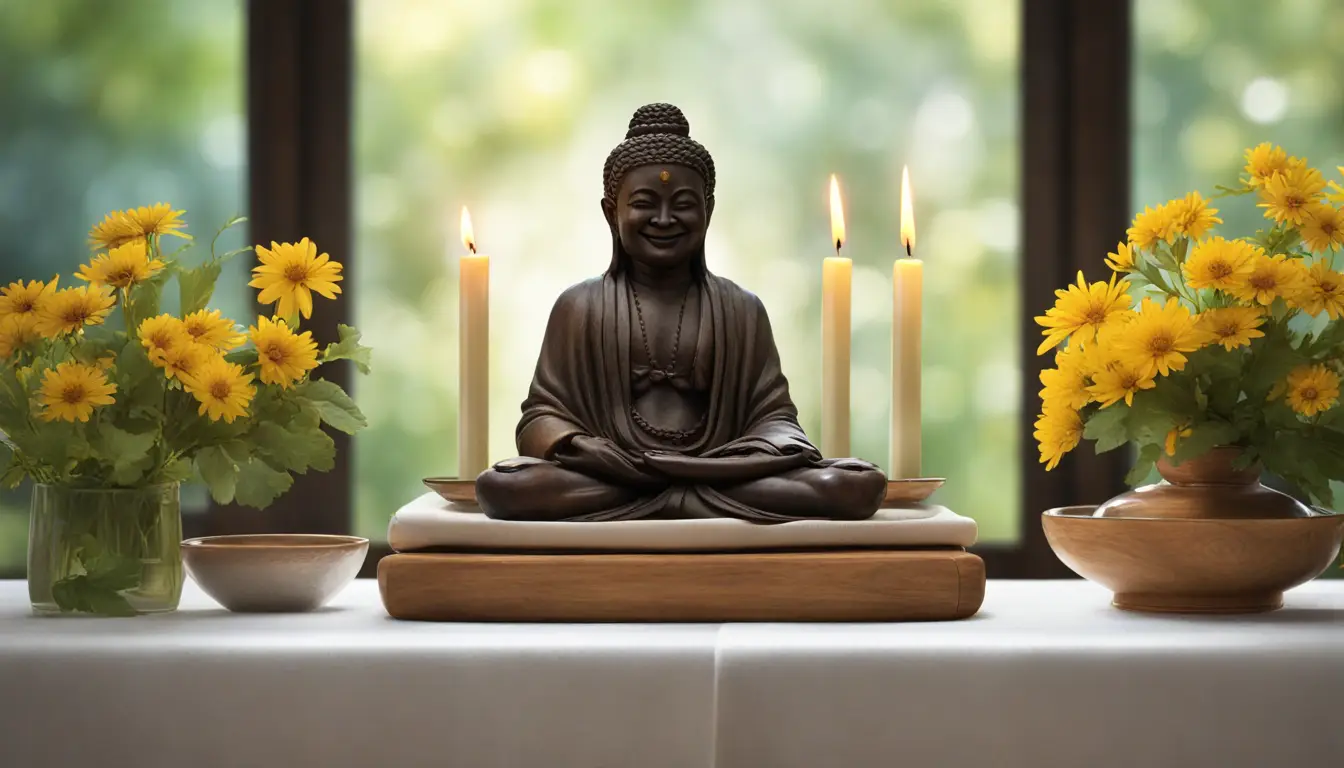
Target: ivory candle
x,y
907,286
836,284
473,344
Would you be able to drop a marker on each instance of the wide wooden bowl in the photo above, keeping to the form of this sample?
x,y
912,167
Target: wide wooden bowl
x,y
453,489
911,490
274,572
1194,565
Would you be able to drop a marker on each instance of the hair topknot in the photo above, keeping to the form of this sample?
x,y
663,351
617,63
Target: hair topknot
x,y
658,134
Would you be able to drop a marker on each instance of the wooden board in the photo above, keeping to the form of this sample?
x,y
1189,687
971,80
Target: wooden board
x,y
850,585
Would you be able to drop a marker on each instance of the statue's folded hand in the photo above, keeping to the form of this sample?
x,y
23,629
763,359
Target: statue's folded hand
x,y
729,469
600,457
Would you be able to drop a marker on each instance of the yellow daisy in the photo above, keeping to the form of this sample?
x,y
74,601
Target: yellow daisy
x,y
121,267
284,356
1193,217
222,389
182,360
208,327
1323,228
1083,310
71,309
290,272
1122,260
1312,389
17,330
121,227
1262,162
1336,191
162,333
1271,277
1323,291
72,390
1153,225
1175,435
19,298
1219,263
1232,326
1158,338
1287,195
1066,383
1119,381
1058,431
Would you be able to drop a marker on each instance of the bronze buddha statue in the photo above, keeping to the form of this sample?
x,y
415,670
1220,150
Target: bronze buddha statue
x,y
658,392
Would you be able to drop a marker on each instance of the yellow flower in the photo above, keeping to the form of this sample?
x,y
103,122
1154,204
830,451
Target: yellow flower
x,y
71,309
290,272
1270,277
182,360
1232,326
283,355
19,298
222,389
1262,162
1323,228
1122,260
106,362
208,327
1219,263
1336,191
162,333
1193,217
1323,291
1158,337
1153,225
1287,195
72,390
121,227
1058,431
16,331
1312,389
121,267
1119,381
1175,435
1082,310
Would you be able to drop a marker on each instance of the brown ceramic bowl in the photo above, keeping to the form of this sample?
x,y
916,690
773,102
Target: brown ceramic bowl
x,y
912,490
1194,565
273,572
453,489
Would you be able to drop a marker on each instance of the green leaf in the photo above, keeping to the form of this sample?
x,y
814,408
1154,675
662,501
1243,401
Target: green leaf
x,y
12,476
1149,421
143,303
348,348
1203,437
1143,464
195,286
333,405
219,471
1165,258
230,224
259,484
176,471
1107,427
127,452
296,445
85,595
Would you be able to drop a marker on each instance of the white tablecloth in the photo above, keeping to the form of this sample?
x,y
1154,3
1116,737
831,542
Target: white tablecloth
x,y
1046,675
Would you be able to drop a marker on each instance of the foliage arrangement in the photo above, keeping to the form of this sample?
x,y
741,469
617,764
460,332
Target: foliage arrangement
x,y
1207,341
100,389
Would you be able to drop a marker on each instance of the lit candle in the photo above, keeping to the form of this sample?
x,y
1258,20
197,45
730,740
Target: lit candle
x,y
473,345
907,281
835,317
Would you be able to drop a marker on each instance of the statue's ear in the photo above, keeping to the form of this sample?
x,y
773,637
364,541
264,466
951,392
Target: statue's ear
x,y
609,211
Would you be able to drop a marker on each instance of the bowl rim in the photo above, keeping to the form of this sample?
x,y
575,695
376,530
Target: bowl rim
x,y
286,541
1064,513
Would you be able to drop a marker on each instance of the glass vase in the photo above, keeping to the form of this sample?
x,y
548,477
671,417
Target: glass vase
x,y
108,552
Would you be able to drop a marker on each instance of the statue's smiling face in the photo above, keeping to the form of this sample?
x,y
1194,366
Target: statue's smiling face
x,y
660,214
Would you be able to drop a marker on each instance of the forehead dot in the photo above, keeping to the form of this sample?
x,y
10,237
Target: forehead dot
x,y
664,176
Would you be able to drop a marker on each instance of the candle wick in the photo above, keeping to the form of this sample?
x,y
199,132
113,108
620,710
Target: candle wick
x,y
908,254
472,247
838,243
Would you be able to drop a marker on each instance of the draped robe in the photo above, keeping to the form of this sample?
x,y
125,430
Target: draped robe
x,y
582,386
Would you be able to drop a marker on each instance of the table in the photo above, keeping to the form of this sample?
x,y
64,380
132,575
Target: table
x,y
1046,675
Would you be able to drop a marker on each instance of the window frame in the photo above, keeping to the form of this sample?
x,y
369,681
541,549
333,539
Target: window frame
x,y
1075,178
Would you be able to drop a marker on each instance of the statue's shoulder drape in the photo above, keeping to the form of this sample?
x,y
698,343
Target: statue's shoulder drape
x,y
582,385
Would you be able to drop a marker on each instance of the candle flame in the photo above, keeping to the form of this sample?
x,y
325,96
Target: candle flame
x,y
468,239
907,213
837,215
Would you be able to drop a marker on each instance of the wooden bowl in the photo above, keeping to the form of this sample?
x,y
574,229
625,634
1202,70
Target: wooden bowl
x,y
1194,565
274,572
912,490
453,489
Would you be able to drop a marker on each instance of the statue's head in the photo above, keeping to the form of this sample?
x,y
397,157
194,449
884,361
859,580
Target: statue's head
x,y
658,192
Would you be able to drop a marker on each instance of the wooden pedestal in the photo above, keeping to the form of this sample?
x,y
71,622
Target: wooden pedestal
x,y
848,585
